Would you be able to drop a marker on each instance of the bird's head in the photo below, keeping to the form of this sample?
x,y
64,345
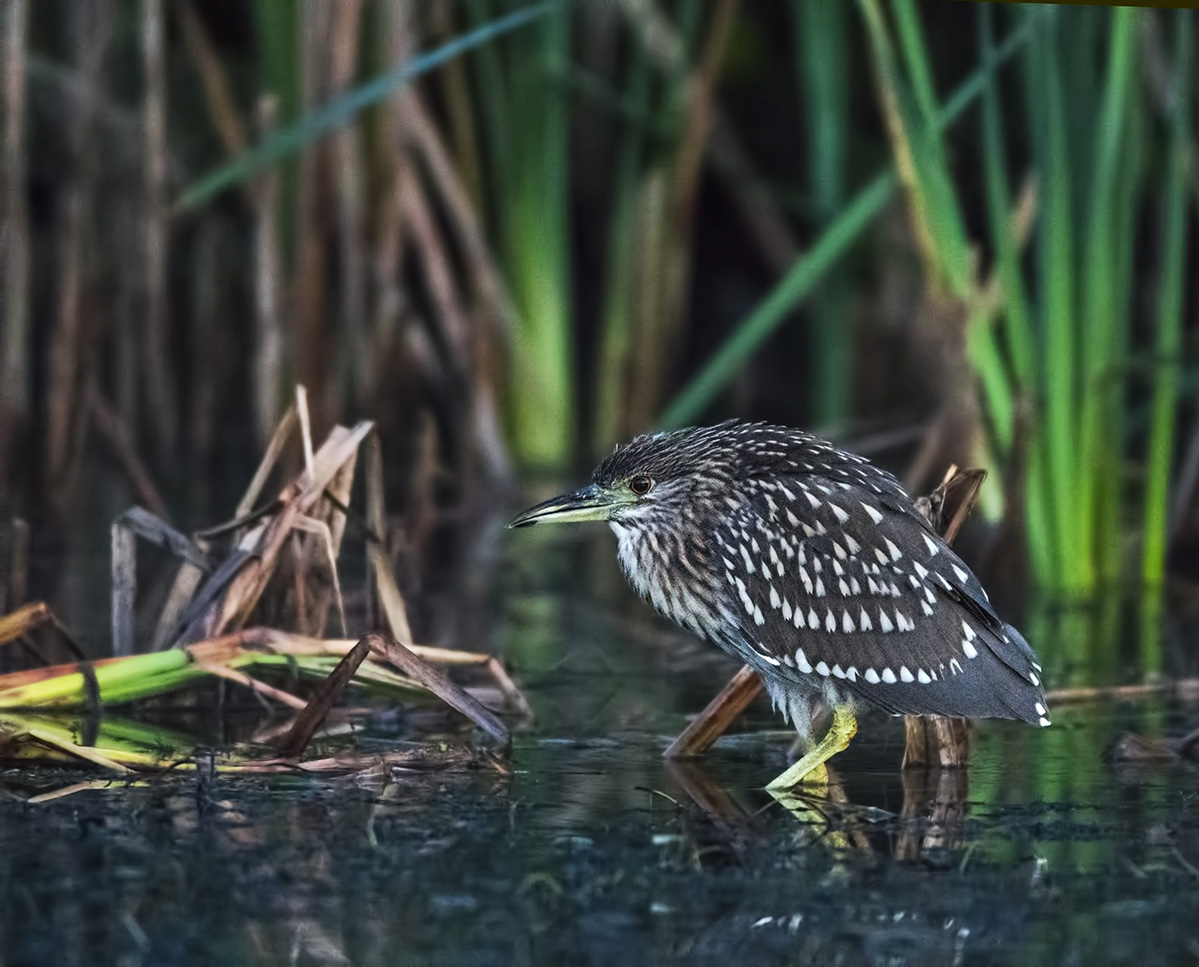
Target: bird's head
x,y
655,479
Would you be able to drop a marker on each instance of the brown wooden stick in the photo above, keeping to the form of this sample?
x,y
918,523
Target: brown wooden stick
x,y
714,720
934,740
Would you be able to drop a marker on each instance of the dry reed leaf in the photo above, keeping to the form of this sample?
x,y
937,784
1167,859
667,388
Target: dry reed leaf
x,y
31,616
305,428
23,620
274,452
262,688
57,744
245,588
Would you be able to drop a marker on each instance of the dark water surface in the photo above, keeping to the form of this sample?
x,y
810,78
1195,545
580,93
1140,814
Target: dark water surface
x,y
591,850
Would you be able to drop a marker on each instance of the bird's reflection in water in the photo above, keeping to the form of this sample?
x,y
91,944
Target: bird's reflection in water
x,y
927,829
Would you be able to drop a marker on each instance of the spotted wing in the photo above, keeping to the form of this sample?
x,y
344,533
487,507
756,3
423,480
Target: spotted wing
x,y
837,580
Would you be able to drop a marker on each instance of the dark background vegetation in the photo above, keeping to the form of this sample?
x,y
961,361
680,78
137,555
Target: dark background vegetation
x,y
935,231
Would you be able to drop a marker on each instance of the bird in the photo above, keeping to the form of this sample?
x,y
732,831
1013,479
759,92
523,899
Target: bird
x,y
815,568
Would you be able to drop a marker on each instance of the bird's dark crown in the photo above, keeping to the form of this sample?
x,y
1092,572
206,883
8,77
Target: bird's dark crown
x,y
721,454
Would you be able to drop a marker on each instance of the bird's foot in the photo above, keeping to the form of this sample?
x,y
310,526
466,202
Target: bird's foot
x,y
802,772
811,768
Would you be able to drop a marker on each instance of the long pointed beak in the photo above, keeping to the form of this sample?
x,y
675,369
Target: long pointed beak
x,y
590,503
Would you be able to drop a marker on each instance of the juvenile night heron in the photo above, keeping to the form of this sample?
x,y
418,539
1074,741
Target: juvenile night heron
x,y
813,567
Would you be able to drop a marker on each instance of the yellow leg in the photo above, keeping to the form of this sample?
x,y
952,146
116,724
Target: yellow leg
x,y
811,767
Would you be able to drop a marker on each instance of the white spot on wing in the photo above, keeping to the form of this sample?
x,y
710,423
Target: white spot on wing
x,y
801,662
906,675
822,669
933,549
888,676
963,576
896,554
884,622
875,514
749,564
871,676
968,649
922,677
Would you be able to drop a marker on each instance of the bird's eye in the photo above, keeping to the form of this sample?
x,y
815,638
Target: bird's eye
x,y
640,485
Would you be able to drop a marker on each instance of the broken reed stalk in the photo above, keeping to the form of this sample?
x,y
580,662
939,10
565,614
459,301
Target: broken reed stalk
x,y
439,685
929,739
117,681
317,708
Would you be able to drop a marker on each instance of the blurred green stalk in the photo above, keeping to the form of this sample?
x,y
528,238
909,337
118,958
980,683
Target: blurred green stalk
x,y
525,108
822,51
1168,337
277,23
